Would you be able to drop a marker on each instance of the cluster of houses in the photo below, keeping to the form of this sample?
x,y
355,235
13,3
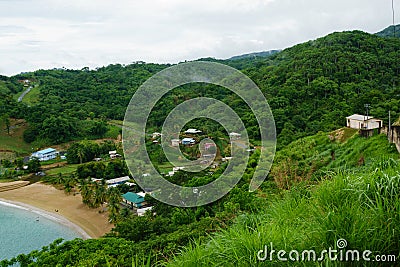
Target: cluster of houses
x,y
132,200
51,153
189,140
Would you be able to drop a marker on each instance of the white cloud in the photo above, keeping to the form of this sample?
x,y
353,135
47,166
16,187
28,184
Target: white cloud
x,y
53,33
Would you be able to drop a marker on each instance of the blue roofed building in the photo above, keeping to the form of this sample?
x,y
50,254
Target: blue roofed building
x,y
188,141
45,154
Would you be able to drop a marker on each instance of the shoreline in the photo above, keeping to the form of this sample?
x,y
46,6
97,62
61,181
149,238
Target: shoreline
x,y
55,204
48,215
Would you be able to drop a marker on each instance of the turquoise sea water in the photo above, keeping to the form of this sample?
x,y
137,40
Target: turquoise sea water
x,y
22,231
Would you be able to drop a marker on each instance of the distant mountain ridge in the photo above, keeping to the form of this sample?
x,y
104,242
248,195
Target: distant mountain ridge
x,y
388,32
255,55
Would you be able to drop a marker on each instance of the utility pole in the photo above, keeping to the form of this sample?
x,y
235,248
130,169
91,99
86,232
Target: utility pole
x,y
367,106
390,130
394,26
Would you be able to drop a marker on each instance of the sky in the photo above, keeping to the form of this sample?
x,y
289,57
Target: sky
x,y
46,34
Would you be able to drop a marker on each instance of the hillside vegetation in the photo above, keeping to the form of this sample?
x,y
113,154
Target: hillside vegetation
x,y
310,87
326,182
361,207
352,202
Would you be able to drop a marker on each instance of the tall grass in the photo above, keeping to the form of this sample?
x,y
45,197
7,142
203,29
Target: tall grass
x,y
362,207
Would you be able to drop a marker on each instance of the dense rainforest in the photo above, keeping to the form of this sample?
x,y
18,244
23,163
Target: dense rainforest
x,y
311,88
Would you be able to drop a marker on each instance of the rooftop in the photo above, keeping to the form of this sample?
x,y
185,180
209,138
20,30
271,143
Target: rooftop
x,y
47,150
359,117
118,180
133,197
192,131
188,140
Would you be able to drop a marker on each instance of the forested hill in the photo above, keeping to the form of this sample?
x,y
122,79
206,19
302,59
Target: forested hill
x,y
255,55
313,86
391,31
310,87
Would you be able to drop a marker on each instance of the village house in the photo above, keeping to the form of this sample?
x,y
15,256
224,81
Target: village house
x,y
192,131
367,125
188,141
113,154
133,200
175,142
156,135
362,122
207,146
394,134
234,136
142,211
117,181
45,154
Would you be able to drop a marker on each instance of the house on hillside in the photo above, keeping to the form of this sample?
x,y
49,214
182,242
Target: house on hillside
x,y
117,181
234,136
362,122
156,135
192,131
133,200
175,142
188,141
366,125
113,154
207,146
394,134
45,154
142,211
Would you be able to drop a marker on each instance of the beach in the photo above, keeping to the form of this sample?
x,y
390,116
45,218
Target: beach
x,y
61,207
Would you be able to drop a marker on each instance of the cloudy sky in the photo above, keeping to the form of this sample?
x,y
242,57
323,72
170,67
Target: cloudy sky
x,y
45,34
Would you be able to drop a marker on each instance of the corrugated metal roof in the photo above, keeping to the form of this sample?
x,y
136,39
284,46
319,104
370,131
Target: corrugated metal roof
x,y
188,139
118,180
192,131
359,117
133,197
47,150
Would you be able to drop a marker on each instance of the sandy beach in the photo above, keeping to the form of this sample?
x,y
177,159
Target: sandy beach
x,y
65,209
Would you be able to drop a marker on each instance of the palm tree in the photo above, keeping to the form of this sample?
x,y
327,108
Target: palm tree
x,y
114,200
80,152
100,194
60,179
86,192
67,186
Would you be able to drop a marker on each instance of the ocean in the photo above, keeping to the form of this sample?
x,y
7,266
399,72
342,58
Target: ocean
x,y
23,230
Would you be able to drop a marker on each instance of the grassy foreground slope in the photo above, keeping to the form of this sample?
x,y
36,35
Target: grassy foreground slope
x,y
359,203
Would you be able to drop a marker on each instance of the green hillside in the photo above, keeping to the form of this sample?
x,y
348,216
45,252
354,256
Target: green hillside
x,y
391,31
310,87
326,182
351,201
357,203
